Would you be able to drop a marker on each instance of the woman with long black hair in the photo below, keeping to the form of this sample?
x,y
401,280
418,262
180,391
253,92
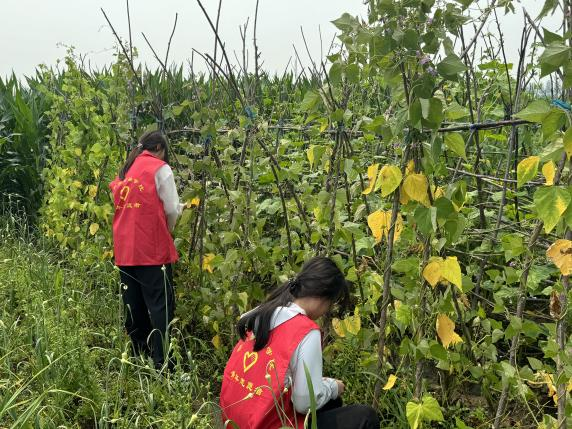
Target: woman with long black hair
x,y
265,384
146,210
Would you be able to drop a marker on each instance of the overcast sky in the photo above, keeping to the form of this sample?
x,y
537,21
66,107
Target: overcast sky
x,y
35,31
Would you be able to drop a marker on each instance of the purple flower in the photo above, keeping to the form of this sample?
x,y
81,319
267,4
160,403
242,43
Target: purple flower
x,y
424,59
431,71
430,20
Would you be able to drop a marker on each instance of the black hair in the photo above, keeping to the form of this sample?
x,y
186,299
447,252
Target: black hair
x,y
152,141
320,278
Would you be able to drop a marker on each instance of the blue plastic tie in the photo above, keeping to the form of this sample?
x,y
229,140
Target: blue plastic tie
x,y
249,113
562,104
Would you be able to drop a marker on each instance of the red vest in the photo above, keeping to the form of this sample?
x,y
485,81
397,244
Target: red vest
x,y
140,232
246,398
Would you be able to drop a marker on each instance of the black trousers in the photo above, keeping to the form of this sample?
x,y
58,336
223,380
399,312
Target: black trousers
x,y
334,415
149,306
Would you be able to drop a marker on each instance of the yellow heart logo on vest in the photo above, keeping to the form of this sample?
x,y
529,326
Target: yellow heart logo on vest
x,y
249,360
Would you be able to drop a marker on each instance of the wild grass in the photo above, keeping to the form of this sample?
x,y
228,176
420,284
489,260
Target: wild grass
x,y
65,360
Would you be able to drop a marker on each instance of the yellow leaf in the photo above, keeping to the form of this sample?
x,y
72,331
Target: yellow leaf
x,y
77,184
549,381
567,142
108,254
526,170
379,223
432,272
92,191
398,226
410,168
310,155
317,213
390,178
396,304
415,185
351,324
560,252
438,270
93,228
193,203
549,171
216,342
207,259
403,197
390,382
438,192
372,174
338,327
451,271
77,151
446,331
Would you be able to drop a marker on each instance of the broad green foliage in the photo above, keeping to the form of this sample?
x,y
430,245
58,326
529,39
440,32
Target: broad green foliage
x,y
427,410
88,123
443,233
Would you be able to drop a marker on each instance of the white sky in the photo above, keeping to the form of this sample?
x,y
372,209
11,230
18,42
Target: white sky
x,y
33,31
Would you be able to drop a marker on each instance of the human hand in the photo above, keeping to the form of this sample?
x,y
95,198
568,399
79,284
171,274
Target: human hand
x,y
341,387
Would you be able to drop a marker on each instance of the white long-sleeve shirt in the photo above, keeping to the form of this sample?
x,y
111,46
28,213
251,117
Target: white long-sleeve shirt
x,y
308,352
167,191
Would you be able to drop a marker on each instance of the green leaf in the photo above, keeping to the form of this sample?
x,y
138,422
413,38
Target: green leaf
x,y
455,111
567,82
407,265
346,22
550,37
426,219
555,54
552,123
535,364
450,67
411,39
335,74
438,352
415,112
428,410
310,101
431,112
456,143
526,170
549,6
535,111
513,246
352,73
550,202
403,314
423,87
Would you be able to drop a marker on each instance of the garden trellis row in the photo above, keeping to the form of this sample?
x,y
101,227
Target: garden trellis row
x,y
485,234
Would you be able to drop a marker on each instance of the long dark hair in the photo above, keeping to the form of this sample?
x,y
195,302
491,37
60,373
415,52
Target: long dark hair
x,y
320,278
152,141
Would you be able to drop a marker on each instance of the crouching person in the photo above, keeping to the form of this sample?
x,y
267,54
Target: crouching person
x,y
264,383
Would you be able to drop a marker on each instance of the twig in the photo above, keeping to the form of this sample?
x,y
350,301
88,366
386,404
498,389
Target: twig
x,y
483,22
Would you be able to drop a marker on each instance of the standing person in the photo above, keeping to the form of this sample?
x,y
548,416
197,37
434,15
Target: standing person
x,y
146,210
264,384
